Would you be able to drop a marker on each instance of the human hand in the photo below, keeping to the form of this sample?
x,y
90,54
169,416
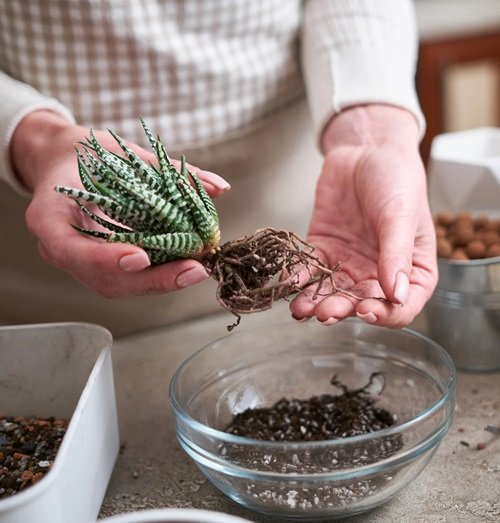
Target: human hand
x,y
372,216
43,156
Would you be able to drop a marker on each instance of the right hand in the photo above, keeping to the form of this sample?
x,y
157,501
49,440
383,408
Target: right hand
x,y
43,156
372,215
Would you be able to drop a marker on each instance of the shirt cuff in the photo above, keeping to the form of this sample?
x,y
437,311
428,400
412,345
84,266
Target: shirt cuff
x,y
356,77
17,100
359,52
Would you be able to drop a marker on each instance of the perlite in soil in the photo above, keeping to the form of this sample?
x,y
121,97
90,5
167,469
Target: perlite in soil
x,y
326,417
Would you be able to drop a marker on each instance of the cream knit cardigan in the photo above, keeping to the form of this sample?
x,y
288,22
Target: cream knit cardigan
x,y
200,72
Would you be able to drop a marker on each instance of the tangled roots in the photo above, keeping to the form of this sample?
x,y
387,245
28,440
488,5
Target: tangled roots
x,y
255,271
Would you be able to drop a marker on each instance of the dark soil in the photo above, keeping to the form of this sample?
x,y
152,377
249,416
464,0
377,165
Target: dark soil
x,y
28,447
317,418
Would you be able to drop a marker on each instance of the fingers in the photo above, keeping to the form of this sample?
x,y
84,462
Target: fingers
x,y
303,307
335,308
329,305
157,280
134,262
407,270
111,269
214,184
385,314
119,270
396,243
379,312
364,300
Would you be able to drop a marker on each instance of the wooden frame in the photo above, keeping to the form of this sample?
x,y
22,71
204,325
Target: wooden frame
x,y
434,58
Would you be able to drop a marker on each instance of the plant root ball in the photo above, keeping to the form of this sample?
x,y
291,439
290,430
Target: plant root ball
x,y
257,270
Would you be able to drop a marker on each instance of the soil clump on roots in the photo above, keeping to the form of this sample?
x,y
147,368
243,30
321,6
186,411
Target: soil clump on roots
x,y
257,270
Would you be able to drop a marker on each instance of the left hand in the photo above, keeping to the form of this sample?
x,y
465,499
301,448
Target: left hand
x,y
43,156
372,216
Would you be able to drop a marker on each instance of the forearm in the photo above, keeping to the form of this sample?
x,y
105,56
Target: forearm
x,y
357,53
17,101
31,143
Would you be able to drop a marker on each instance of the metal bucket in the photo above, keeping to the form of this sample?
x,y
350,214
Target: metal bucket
x,y
463,314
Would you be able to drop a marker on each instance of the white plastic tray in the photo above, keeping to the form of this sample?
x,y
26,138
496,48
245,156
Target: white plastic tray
x,y
62,370
464,172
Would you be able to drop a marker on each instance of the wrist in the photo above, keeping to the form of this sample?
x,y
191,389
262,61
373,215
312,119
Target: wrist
x,y
371,125
31,140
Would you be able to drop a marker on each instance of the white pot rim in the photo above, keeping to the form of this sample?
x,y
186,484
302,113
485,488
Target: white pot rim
x,y
174,515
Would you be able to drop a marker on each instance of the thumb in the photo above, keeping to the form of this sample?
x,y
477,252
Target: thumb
x,y
396,244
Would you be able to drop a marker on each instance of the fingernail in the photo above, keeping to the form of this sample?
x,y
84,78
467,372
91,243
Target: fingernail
x,y
301,320
368,317
191,276
216,180
401,287
329,321
134,262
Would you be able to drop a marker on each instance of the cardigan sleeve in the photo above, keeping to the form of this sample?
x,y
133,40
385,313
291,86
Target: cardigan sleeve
x,y
359,52
17,100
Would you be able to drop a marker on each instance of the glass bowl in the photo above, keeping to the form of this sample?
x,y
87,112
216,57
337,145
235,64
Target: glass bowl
x,y
320,479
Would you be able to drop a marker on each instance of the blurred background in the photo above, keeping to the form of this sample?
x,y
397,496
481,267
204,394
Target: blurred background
x,y
458,76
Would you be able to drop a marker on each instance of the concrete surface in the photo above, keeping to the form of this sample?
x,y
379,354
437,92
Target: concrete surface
x,y
460,484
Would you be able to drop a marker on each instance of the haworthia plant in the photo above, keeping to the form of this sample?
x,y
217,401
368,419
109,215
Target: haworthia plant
x,y
162,209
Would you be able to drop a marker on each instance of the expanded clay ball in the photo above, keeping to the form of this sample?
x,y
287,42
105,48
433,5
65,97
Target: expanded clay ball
x,y
466,237
458,254
443,218
475,249
462,235
490,237
444,248
493,250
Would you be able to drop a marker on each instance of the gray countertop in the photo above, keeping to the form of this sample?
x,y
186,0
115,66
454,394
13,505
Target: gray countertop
x,y
460,484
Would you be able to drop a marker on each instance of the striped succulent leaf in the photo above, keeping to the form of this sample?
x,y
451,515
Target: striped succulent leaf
x,y
162,209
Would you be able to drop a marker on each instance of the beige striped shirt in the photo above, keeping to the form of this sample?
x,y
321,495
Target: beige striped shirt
x,y
199,71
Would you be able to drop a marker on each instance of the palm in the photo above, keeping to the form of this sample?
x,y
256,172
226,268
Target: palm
x,y
364,201
95,264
